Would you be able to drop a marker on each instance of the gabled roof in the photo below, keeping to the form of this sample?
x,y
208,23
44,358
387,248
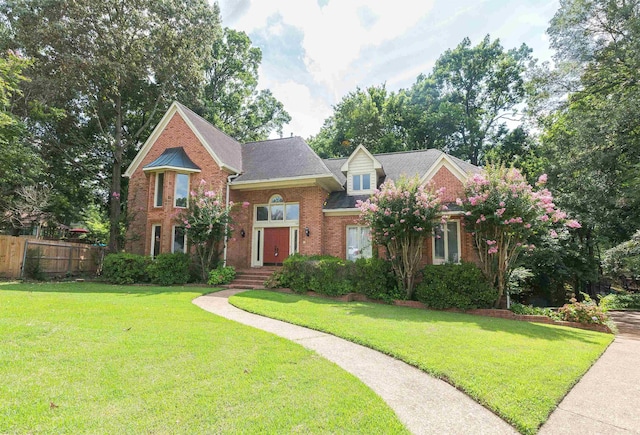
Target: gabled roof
x,y
173,158
224,150
407,163
361,149
281,159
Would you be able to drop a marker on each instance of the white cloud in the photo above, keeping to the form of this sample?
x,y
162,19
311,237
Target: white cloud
x,y
307,113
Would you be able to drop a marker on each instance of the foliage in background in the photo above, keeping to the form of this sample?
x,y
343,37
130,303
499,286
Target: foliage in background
x,y
207,223
221,275
231,101
460,107
33,265
123,268
97,222
114,66
504,213
450,285
169,269
620,301
622,262
401,217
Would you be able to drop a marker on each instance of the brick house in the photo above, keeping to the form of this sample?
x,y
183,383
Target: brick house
x,y
298,201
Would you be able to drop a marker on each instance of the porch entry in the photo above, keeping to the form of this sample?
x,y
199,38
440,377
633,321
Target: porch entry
x,y
276,245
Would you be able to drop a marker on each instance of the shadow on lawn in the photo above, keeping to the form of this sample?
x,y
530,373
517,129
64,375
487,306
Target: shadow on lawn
x,y
99,287
426,317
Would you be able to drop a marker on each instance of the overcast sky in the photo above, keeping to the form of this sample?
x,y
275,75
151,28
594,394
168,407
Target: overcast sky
x,y
316,51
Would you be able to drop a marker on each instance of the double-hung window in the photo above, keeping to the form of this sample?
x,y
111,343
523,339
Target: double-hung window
x,y
358,242
446,243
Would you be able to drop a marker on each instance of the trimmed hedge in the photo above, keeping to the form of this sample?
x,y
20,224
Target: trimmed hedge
x,y
169,269
124,268
221,275
460,286
334,276
374,278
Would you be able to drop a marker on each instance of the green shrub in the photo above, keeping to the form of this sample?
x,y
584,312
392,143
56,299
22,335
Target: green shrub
x,y
124,268
320,273
583,312
530,310
374,278
451,285
221,275
331,276
620,301
169,269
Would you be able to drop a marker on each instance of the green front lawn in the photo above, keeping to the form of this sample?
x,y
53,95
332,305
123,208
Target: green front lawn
x,y
519,370
92,358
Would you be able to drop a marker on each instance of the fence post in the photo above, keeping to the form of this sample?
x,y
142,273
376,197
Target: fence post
x,y
24,258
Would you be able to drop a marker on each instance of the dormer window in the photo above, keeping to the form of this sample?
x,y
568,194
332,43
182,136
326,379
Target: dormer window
x,y
361,182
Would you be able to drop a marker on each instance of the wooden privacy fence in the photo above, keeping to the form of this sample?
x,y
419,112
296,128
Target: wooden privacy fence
x,y
47,257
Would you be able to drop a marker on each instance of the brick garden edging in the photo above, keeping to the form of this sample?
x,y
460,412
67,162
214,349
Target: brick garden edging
x,y
487,312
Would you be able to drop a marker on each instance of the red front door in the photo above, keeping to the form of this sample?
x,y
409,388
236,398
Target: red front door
x,y
276,245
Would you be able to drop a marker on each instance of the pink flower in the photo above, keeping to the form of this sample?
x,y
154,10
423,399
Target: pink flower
x,y
202,182
542,179
245,204
573,224
491,242
500,211
502,204
544,218
553,234
492,250
458,201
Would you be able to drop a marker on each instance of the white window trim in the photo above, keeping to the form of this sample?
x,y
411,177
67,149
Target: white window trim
x,y
347,240
446,245
153,239
372,182
173,239
277,223
175,189
155,192
258,240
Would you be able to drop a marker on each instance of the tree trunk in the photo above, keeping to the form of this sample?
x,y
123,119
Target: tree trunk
x,y
116,181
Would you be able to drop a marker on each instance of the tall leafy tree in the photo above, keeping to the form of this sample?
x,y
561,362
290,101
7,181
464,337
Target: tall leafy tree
x,y
20,164
231,100
366,117
593,142
117,65
479,88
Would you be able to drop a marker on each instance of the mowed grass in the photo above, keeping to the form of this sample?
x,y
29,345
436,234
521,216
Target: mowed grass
x,y
92,358
519,370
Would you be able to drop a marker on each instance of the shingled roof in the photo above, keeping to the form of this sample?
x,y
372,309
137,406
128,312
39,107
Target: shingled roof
x,y
228,150
394,165
280,158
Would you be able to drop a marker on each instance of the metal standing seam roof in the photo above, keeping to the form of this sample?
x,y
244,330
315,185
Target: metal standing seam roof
x,y
173,157
226,148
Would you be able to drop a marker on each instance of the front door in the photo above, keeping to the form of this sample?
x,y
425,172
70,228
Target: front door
x,y
276,245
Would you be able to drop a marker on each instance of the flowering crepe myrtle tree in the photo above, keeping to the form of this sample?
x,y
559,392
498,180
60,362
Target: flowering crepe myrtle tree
x,y
207,223
504,214
400,217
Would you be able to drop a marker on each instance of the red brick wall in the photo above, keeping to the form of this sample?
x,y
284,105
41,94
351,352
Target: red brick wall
x,y
142,213
311,200
335,234
453,186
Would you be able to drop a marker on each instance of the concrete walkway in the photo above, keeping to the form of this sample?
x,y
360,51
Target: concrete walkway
x,y
607,398
425,405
